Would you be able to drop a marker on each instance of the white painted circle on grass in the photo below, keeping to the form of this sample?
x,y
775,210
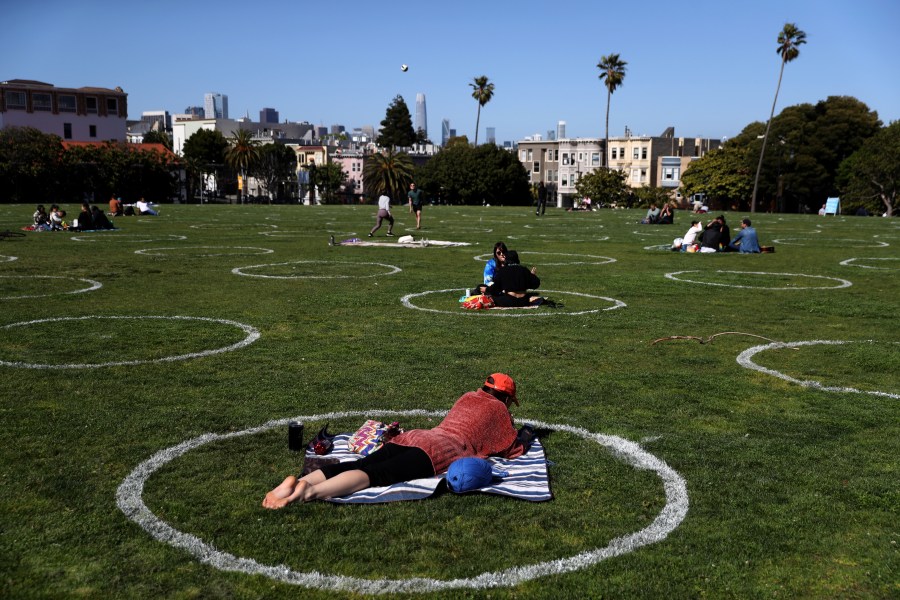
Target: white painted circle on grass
x,y
126,237
659,247
252,336
525,312
231,225
391,269
842,283
745,359
92,285
851,262
129,500
4,258
184,251
592,259
833,243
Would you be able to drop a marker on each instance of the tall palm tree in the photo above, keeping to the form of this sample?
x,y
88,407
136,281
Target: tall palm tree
x,y
388,173
482,91
242,155
788,41
612,73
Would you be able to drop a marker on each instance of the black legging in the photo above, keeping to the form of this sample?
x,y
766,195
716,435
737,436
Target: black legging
x,y
388,465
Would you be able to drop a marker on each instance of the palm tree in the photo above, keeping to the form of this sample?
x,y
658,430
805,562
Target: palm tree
x,y
242,156
612,73
388,173
788,41
482,91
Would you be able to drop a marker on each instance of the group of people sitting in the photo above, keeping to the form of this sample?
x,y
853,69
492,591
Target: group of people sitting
x,y
716,237
90,218
659,216
507,282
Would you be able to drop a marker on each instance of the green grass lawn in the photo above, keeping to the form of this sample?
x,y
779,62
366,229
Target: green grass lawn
x,y
790,468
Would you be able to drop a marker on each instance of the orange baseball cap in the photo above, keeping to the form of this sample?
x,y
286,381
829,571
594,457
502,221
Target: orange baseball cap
x,y
503,383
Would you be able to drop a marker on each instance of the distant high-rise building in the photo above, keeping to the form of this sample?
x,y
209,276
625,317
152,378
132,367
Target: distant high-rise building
x,y
215,106
338,129
453,133
421,117
561,130
551,135
445,131
268,115
196,112
321,131
491,135
159,120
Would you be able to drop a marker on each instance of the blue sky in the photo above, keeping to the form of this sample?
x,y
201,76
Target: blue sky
x,y
708,68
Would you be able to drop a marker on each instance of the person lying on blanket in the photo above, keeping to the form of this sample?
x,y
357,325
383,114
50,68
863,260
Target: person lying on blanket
x,y
479,424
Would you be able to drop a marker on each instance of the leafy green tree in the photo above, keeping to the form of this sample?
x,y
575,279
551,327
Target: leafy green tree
x,y
604,185
475,175
646,195
158,137
396,128
329,179
388,173
276,162
612,74
242,155
482,91
723,175
422,136
870,177
206,149
789,41
29,164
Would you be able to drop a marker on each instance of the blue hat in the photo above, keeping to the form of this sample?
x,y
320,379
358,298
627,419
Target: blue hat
x,y
470,473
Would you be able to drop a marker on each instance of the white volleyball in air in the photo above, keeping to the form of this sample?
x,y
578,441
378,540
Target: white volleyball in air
x,y
404,68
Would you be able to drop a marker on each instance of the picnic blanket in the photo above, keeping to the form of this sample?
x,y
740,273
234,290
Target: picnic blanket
x,y
401,244
527,479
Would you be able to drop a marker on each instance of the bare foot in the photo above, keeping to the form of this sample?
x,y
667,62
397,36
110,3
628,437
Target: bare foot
x,y
278,497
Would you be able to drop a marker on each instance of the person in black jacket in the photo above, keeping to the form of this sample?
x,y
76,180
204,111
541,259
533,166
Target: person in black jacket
x,y
512,284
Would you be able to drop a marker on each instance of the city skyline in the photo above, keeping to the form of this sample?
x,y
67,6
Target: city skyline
x,y
707,69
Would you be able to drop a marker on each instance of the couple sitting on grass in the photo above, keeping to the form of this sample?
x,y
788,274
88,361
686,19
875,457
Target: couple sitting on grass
x,y
507,282
479,424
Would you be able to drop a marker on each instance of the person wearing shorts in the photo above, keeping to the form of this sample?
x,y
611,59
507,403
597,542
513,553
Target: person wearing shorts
x,y
415,203
479,424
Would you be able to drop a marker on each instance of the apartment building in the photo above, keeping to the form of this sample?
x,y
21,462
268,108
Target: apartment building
x,y
86,114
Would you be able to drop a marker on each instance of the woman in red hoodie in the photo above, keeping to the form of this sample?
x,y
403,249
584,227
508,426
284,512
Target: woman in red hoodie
x,y
479,424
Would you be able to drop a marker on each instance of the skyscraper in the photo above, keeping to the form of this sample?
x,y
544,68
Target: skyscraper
x,y
268,115
445,131
421,118
215,105
491,135
561,130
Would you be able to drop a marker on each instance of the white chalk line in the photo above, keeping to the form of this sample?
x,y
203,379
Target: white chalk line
x,y
843,282
93,285
252,336
850,263
182,251
605,259
126,237
745,359
391,270
533,312
8,258
231,225
129,500
832,242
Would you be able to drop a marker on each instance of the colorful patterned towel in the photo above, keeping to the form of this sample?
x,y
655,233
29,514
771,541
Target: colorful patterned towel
x,y
527,478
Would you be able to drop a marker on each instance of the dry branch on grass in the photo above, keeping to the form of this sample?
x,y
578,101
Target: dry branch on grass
x,y
708,339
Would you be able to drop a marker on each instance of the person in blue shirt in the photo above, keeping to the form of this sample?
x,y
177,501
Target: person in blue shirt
x,y
745,241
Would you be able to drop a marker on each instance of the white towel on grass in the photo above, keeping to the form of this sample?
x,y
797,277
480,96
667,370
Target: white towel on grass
x,y
527,479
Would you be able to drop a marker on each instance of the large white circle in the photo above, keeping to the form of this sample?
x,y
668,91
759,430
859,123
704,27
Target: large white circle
x,y
849,263
126,237
842,243
605,259
531,312
130,502
252,336
4,258
391,270
843,282
93,285
745,359
182,249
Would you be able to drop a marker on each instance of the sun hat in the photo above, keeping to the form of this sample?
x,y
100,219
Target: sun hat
x,y
471,473
503,383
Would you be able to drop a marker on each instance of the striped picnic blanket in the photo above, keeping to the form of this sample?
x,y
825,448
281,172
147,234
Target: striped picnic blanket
x,y
527,479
